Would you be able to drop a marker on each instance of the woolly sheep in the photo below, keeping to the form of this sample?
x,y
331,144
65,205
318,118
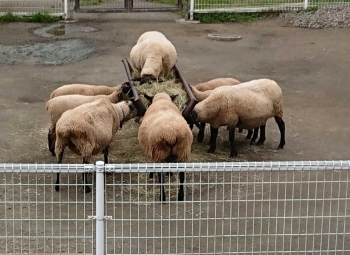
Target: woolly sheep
x,y
58,105
153,56
165,136
209,86
248,105
88,129
83,89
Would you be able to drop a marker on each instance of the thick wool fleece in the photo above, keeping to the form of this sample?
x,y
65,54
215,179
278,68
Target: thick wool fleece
x,y
246,106
83,89
153,55
58,105
164,132
90,128
155,35
215,83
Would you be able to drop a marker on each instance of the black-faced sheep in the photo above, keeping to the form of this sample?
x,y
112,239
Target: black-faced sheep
x,y
153,56
209,86
83,89
58,105
88,130
248,105
165,136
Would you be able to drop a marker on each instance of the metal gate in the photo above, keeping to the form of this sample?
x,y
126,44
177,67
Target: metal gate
x,y
110,6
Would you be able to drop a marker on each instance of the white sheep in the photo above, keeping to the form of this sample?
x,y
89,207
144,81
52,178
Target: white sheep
x,y
58,105
248,105
88,129
153,56
209,86
83,89
165,136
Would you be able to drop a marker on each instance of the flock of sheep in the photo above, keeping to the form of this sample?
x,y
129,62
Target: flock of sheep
x,y
86,118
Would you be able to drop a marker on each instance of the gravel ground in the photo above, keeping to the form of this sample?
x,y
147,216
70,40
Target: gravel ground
x,y
322,18
52,53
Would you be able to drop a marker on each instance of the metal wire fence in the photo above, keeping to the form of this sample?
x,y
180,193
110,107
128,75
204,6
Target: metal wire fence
x,y
35,219
228,208
207,6
30,7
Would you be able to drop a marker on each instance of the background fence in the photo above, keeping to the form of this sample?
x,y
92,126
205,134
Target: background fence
x,y
30,7
210,6
229,208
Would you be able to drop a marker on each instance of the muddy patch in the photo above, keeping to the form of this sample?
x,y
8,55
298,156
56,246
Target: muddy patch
x,y
51,53
63,30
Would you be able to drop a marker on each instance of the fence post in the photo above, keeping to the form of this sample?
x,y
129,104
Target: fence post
x,y
65,9
306,3
191,9
100,207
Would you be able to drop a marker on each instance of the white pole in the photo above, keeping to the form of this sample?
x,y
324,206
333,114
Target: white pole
x,y
100,208
65,6
306,3
191,9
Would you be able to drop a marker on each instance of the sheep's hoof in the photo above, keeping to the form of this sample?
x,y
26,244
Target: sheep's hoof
x,y
87,189
251,143
200,139
53,153
280,146
57,188
211,150
260,142
180,198
234,154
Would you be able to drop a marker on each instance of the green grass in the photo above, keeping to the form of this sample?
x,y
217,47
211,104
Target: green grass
x,y
90,2
232,17
40,17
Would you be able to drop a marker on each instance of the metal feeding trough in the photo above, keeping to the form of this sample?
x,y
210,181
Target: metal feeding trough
x,y
178,75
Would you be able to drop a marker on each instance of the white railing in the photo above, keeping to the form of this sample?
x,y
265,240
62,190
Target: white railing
x,y
210,6
31,7
296,207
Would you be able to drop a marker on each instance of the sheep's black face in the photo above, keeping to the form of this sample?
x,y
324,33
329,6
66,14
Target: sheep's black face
x,y
148,78
127,91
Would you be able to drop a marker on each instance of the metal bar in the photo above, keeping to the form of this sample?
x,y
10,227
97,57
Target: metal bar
x,y
45,168
100,243
117,10
232,166
192,10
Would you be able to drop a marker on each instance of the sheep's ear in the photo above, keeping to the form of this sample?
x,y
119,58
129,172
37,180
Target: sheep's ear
x,y
149,98
173,97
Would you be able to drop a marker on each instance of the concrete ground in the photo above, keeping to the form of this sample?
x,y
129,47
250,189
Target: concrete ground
x,y
312,68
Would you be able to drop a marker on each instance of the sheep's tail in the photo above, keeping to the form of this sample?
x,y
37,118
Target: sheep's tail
x,y
163,148
62,140
199,95
279,109
115,97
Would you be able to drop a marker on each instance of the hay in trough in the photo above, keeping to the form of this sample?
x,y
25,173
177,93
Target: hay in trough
x,y
166,84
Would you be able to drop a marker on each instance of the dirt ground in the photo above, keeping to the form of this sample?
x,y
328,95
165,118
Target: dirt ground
x,y
312,68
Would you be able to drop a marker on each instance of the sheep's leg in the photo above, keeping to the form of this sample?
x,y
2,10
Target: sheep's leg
x,y
59,161
86,187
250,133
150,176
255,135
162,196
191,126
240,130
180,196
213,137
105,154
233,152
201,132
51,138
282,128
262,135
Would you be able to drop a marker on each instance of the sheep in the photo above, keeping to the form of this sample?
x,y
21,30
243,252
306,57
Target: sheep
x,y
248,105
165,136
83,89
209,86
58,105
88,129
153,56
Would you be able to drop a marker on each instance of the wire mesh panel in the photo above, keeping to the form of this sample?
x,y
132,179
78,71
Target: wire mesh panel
x,y
36,219
231,208
28,7
205,6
